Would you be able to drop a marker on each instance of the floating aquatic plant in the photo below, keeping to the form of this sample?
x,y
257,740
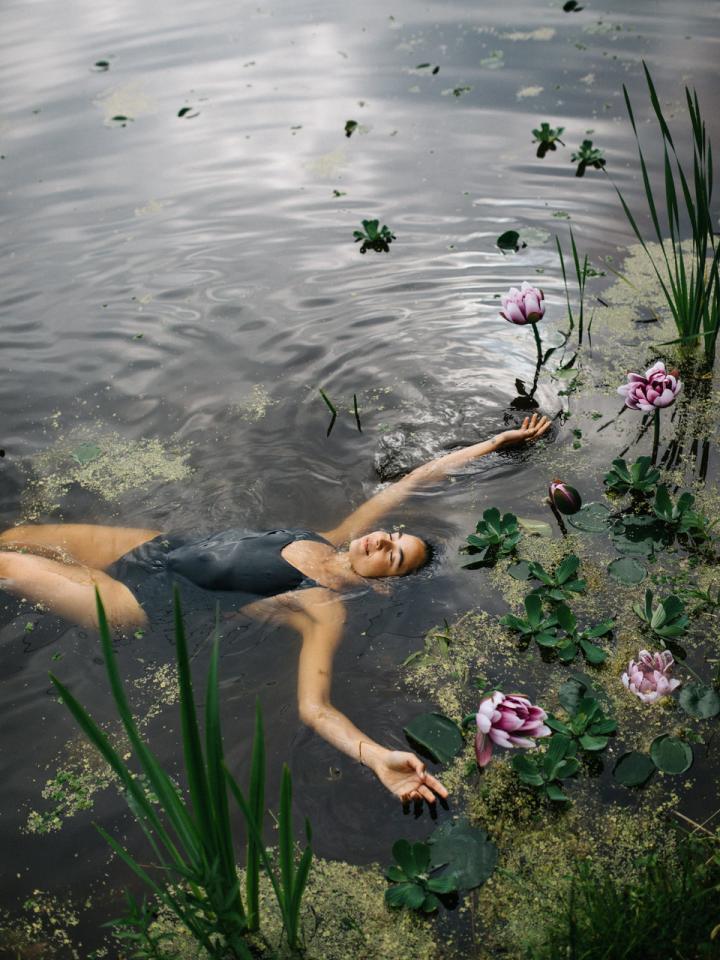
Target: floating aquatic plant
x,y
687,270
587,156
412,883
558,762
495,537
667,618
547,137
560,585
374,237
681,517
587,724
350,127
638,479
576,641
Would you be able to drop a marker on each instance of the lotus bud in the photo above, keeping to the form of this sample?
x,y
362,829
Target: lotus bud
x,y
526,305
564,498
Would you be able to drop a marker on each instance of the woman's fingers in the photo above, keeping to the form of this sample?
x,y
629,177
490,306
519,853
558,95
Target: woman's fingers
x,y
435,785
427,794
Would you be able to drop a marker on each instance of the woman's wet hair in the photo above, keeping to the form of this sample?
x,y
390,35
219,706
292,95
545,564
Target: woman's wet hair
x,y
433,554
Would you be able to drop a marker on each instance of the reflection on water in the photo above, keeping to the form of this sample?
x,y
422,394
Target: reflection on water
x,y
188,276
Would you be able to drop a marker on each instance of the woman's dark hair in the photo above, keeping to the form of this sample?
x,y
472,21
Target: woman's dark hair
x,y
433,553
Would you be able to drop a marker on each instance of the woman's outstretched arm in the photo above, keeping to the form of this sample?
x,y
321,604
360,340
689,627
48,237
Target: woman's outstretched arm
x,y
319,616
364,518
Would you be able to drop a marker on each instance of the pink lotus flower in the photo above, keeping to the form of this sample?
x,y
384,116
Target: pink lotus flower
x,y
657,388
508,721
522,306
649,677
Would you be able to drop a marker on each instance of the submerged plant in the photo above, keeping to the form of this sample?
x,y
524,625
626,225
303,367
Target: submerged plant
x,y
687,270
374,237
558,762
495,537
412,883
507,720
587,156
667,618
547,137
194,874
639,479
648,677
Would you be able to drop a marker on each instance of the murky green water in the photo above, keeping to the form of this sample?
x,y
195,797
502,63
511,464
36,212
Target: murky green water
x,y
177,288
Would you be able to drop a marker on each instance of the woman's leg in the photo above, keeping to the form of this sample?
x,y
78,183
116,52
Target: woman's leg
x,y
88,543
69,590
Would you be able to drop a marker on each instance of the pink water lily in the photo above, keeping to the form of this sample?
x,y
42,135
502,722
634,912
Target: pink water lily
x,y
507,721
658,388
648,677
522,306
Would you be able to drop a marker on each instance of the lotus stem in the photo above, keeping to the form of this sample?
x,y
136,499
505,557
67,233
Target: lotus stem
x,y
656,436
558,517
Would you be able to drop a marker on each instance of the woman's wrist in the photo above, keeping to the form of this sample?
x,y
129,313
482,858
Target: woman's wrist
x,y
370,753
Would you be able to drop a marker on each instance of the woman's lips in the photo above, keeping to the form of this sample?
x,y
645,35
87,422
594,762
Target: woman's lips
x,y
366,545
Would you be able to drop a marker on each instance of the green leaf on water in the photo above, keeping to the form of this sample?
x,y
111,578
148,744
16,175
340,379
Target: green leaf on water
x,y
520,570
592,518
468,852
670,754
536,528
633,769
510,240
627,570
700,701
86,453
437,735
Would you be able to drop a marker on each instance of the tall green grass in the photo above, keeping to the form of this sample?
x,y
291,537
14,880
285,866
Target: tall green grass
x,y
687,270
581,275
670,908
194,873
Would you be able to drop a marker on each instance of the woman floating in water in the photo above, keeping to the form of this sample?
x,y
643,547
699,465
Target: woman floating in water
x,y
294,577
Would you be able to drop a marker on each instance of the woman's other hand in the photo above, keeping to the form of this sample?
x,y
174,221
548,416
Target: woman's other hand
x,y
405,776
532,429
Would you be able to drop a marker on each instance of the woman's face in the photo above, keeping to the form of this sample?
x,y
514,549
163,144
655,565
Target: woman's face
x,y
382,554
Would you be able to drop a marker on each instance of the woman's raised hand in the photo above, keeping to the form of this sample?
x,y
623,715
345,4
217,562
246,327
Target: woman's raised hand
x,y
532,429
405,775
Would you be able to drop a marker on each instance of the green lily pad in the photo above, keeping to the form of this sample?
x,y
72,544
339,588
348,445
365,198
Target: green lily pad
x,y
670,754
468,852
627,570
86,453
592,518
520,570
699,701
510,240
437,735
633,769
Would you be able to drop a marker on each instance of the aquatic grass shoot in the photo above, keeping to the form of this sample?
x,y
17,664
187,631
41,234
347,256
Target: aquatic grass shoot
x,y
581,275
194,873
689,281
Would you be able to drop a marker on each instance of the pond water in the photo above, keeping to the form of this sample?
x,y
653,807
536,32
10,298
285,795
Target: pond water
x,y
178,285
